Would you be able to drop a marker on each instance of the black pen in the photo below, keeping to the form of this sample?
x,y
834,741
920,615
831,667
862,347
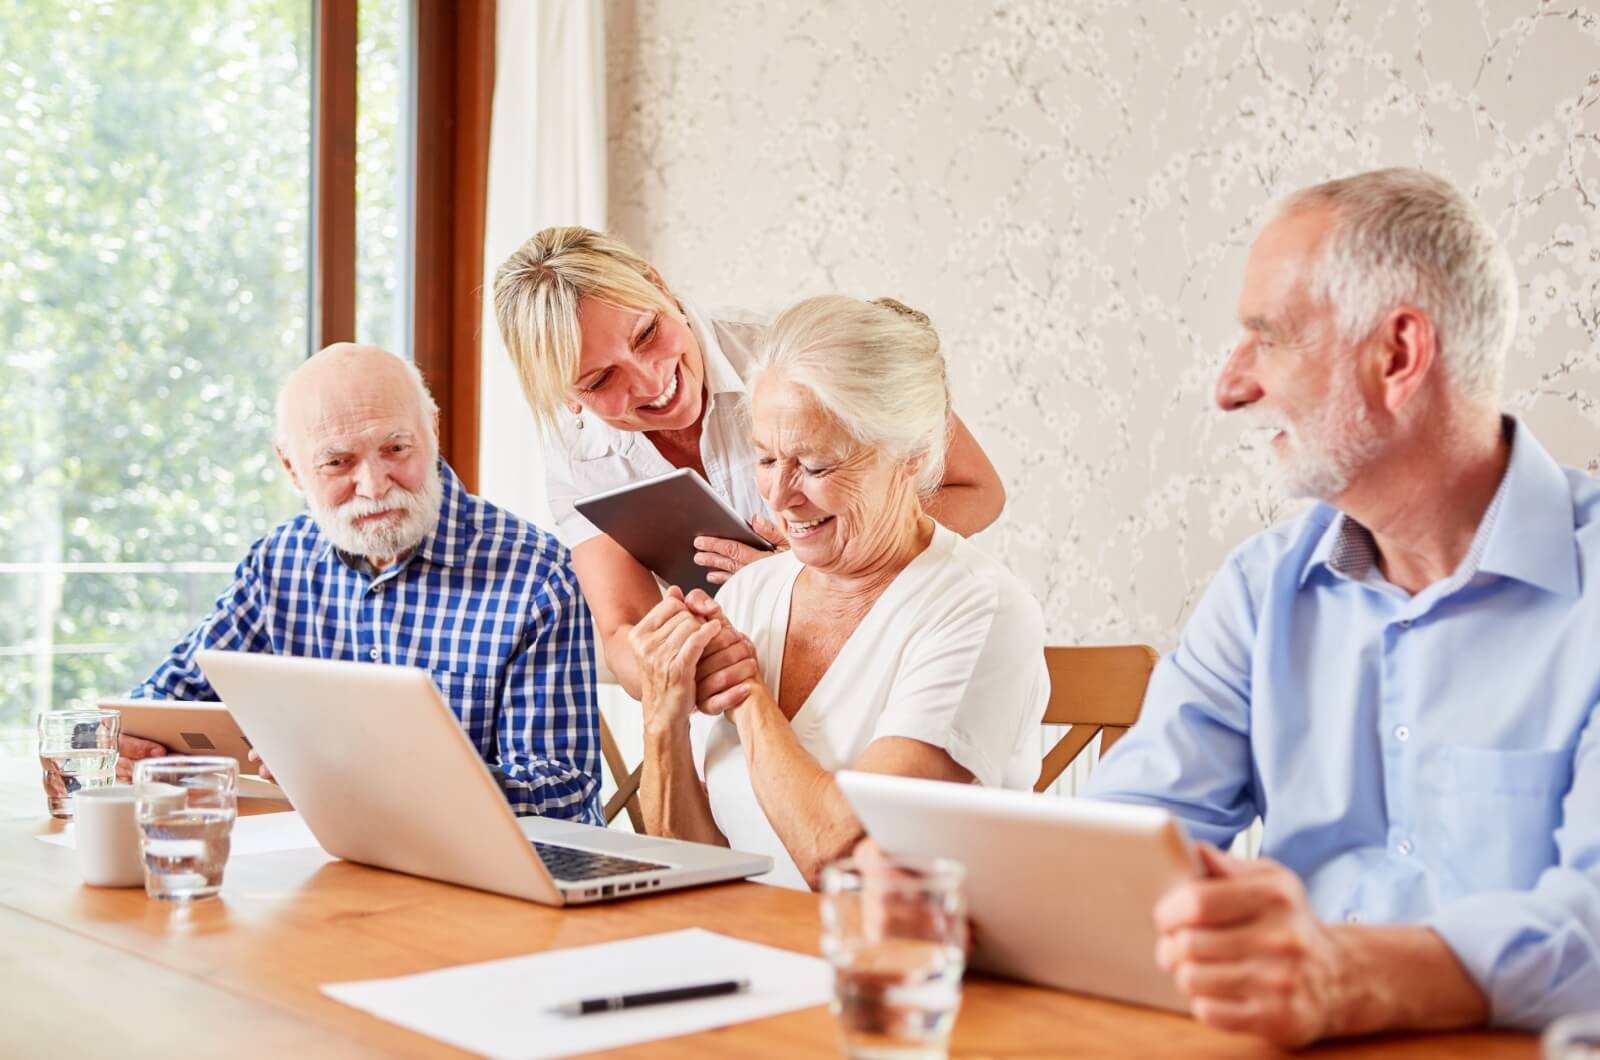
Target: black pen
x,y
653,997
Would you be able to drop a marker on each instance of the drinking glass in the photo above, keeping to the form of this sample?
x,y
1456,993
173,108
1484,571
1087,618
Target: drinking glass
x,y
77,749
185,805
895,933
1573,1038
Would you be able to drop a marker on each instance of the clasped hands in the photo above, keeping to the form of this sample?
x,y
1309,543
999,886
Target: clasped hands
x,y
690,658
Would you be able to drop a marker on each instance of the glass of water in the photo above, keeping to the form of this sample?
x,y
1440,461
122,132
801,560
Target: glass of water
x,y
77,749
895,933
1573,1038
185,805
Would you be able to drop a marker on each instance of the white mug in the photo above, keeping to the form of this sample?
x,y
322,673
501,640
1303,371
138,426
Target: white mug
x,y
107,837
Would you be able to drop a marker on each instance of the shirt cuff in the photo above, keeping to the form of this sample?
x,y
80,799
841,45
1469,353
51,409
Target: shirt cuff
x,y
1528,953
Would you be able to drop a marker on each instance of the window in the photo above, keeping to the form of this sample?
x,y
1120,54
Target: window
x,y
156,176
383,175
154,184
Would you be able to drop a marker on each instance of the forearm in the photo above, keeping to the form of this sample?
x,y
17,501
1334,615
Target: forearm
x,y
801,800
1401,978
548,723
178,677
619,658
549,744
965,507
670,791
548,788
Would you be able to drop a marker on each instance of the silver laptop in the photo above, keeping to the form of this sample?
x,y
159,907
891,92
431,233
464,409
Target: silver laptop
x,y
1061,891
381,771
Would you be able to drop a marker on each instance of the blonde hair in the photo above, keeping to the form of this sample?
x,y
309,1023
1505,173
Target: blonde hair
x,y
536,295
876,368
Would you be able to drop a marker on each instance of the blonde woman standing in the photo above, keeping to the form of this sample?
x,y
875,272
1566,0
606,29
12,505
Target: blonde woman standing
x,y
629,381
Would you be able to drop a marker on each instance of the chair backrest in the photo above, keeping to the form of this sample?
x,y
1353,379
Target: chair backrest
x,y
1095,690
627,793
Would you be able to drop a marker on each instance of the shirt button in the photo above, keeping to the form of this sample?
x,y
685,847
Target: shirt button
x,y
1405,623
373,654
1402,733
1404,847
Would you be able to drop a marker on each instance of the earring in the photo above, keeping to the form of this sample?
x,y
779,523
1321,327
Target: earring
x,y
577,415
579,419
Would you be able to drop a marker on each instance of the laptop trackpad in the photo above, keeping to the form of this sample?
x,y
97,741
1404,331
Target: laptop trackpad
x,y
611,842
583,836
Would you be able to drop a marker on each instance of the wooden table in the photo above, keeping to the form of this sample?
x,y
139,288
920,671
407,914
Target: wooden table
x,y
96,971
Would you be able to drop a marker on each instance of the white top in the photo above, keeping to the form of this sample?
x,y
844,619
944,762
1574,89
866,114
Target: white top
x,y
581,462
951,654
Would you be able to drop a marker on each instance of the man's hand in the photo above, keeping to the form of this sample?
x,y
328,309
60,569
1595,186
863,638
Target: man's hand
x,y
132,748
667,645
1244,947
722,556
727,663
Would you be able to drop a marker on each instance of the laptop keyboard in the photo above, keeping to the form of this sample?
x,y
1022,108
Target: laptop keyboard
x,y
569,865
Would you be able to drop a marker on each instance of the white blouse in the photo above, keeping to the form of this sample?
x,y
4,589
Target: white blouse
x,y
951,654
581,462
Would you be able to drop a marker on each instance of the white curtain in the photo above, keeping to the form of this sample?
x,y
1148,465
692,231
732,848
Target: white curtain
x,y
547,166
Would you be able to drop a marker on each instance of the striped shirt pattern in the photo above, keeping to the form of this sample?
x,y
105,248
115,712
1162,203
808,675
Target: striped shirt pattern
x,y
487,603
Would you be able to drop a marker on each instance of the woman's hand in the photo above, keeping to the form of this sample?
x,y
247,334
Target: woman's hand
x,y
667,646
722,556
727,663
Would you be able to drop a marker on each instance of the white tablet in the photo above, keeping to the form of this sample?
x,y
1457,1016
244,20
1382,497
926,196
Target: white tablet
x,y
658,519
1060,891
187,727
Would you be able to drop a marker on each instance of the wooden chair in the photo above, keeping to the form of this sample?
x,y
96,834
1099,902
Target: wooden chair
x,y
627,793
1095,690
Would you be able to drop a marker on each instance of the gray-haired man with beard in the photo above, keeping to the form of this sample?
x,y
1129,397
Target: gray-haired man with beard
x,y
1401,683
395,562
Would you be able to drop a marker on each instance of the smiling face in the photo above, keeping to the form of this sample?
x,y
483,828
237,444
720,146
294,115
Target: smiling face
x,y
359,446
1291,371
639,369
844,506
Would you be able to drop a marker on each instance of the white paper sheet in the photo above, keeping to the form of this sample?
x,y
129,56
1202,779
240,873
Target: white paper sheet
x,y
262,833
499,1008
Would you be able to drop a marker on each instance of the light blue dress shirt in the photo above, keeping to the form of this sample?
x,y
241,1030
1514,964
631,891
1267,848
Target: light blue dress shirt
x,y
1430,759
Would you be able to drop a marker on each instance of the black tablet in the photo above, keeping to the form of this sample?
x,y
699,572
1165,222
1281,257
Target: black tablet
x,y
658,519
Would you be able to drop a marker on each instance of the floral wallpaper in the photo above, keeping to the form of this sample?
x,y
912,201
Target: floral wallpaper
x,y
1068,188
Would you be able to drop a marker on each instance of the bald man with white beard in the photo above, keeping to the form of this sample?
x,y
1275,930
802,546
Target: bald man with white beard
x,y
395,562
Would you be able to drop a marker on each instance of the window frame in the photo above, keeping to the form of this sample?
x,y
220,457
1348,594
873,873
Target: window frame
x,y
453,49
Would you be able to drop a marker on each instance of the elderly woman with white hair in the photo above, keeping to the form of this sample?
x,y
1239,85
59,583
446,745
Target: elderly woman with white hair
x,y
881,641
630,381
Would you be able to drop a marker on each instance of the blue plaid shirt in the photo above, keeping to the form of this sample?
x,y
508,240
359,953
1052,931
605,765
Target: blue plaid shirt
x,y
487,603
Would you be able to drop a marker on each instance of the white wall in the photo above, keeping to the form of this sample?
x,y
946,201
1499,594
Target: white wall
x,y
1068,188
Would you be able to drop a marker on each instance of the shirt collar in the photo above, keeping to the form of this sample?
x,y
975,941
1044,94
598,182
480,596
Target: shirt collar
x,y
1526,533
720,375
445,545
1535,539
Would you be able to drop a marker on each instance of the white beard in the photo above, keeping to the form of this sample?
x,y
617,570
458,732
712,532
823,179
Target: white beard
x,y
1327,451
387,540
